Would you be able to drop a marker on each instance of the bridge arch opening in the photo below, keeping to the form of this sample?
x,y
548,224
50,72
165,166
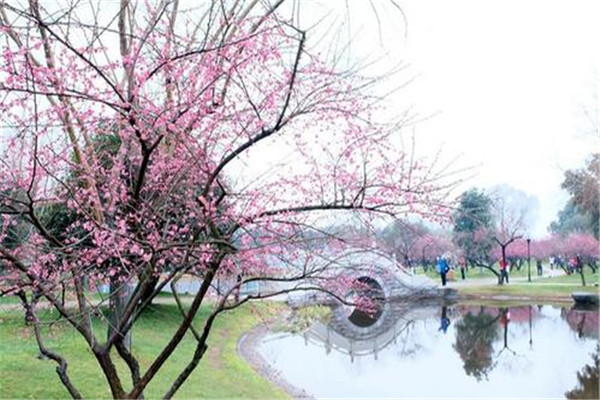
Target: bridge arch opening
x,y
373,290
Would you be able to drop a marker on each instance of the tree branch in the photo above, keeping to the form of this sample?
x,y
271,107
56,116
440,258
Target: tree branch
x,y
61,369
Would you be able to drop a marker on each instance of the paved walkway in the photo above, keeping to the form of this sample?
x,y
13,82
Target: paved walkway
x,y
517,280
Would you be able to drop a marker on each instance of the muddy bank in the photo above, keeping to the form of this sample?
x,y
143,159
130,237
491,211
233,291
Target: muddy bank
x,y
247,348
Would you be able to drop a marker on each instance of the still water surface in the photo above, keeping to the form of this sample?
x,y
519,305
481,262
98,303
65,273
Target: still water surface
x,y
444,352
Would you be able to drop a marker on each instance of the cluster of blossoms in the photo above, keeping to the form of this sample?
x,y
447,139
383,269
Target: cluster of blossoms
x,y
139,169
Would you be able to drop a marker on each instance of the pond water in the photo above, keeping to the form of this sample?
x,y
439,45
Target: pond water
x,y
457,351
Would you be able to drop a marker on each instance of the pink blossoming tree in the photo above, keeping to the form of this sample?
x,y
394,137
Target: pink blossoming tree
x,y
131,155
494,241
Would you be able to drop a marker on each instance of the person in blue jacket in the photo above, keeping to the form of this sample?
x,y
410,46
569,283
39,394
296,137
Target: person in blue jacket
x,y
442,268
445,321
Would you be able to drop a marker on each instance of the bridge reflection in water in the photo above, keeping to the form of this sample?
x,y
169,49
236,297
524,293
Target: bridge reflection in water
x,y
484,351
358,334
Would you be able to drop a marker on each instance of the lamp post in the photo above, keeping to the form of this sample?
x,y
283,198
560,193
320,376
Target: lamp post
x,y
530,336
528,260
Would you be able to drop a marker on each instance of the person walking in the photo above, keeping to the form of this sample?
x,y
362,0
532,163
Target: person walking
x,y
578,264
442,268
572,265
503,271
462,264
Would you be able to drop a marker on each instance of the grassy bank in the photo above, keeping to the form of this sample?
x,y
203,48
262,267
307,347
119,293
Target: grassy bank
x,y
221,374
540,287
524,289
523,273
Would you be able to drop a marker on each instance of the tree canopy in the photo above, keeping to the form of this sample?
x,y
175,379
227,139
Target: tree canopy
x,y
473,220
148,128
582,211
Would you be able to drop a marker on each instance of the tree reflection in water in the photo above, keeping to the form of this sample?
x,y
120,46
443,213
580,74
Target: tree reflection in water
x,y
522,351
475,336
504,320
588,380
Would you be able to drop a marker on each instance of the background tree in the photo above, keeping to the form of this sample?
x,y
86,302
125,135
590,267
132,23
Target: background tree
x,y
402,238
514,211
482,222
432,245
12,232
571,220
509,225
582,211
516,254
194,101
586,248
472,222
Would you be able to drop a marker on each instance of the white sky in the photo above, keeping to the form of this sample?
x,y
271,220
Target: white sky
x,y
507,80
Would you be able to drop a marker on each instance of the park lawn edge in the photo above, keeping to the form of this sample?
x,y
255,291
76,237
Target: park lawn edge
x,y
248,372
232,376
523,292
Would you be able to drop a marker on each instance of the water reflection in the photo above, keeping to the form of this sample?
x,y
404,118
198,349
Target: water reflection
x,y
584,321
480,351
444,321
373,291
475,335
588,380
360,334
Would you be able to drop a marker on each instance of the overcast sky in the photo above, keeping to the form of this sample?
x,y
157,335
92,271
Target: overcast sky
x,y
506,81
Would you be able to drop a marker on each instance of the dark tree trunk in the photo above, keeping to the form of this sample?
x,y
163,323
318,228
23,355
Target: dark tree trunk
x,y
151,284
582,276
502,272
119,296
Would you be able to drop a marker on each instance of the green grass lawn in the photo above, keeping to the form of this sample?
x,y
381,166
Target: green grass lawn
x,y
541,287
558,286
575,279
9,300
482,273
221,374
524,289
471,273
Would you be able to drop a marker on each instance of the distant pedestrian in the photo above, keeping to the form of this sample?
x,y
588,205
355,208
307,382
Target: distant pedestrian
x,y
442,268
578,264
560,263
462,263
572,265
540,268
503,271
